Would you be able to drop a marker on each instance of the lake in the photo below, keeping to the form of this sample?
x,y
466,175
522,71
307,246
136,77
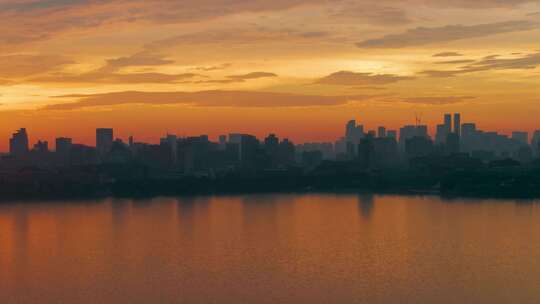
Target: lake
x,y
283,248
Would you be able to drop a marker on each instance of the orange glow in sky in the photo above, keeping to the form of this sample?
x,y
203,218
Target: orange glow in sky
x,y
298,68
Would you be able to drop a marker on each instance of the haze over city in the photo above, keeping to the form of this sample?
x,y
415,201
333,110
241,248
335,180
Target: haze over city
x,y
296,68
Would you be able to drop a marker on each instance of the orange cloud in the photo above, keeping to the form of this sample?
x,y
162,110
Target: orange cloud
x,y
204,99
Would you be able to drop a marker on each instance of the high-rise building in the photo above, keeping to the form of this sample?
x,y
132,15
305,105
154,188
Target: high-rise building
x,y
222,142
468,137
521,137
535,142
350,128
353,134
63,145
41,146
440,136
104,140
452,143
391,134
448,123
18,144
468,129
536,137
381,132
171,142
410,131
457,124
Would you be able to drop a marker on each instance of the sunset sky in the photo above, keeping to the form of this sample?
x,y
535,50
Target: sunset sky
x,y
299,68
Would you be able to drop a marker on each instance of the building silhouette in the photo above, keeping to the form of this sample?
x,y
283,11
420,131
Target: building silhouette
x,y
104,140
457,124
18,144
521,137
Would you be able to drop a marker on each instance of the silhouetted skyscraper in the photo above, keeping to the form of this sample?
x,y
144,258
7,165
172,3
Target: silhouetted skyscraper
x,y
381,132
457,124
18,144
440,136
222,142
468,136
104,140
448,123
452,143
63,145
410,131
171,141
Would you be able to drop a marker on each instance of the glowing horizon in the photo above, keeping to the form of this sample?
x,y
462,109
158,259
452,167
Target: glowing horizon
x,y
297,68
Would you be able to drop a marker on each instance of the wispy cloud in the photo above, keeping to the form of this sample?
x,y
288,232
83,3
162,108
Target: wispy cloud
x,y
252,75
429,35
20,66
489,63
437,100
448,54
349,78
203,99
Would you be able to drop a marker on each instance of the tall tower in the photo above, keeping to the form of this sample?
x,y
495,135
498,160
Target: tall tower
x,y
457,124
350,129
104,140
448,123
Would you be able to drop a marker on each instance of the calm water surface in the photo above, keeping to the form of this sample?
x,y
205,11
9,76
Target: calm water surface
x,y
271,249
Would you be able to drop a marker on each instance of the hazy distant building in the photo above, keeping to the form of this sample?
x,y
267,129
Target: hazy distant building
x,y
391,134
63,145
521,137
378,152
171,142
353,134
447,123
271,147
41,147
18,144
410,131
468,136
418,146
222,142
104,140
381,132
452,143
536,138
468,129
536,142
457,124
440,135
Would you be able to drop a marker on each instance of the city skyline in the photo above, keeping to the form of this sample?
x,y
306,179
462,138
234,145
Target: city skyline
x,y
432,131
297,68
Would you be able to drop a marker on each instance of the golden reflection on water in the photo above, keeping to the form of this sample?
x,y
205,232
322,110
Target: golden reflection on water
x,y
271,249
